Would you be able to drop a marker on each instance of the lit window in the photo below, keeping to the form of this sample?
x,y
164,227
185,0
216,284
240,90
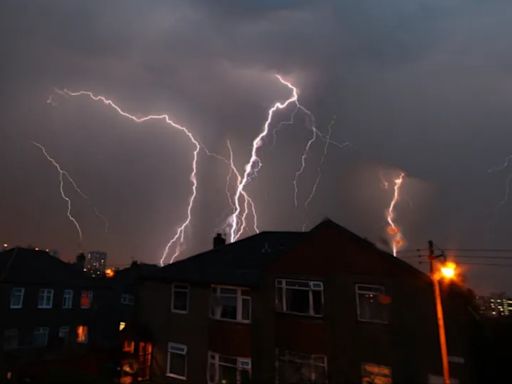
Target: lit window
x,y
374,373
372,303
300,297
293,367
127,299
86,299
17,297
82,334
67,298
40,336
10,338
228,369
45,298
177,361
145,349
179,299
122,325
229,303
129,346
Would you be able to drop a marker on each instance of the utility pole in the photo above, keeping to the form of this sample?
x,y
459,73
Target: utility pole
x,y
439,311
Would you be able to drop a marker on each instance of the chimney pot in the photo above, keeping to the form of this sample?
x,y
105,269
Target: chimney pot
x,y
218,241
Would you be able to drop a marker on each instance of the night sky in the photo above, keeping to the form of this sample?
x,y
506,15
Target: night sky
x,y
420,86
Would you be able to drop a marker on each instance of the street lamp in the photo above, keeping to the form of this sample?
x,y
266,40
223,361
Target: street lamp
x,y
447,271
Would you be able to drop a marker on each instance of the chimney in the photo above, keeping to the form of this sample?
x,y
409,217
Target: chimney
x,y
218,241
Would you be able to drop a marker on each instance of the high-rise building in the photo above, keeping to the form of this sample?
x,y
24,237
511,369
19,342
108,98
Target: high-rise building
x,y
95,263
497,304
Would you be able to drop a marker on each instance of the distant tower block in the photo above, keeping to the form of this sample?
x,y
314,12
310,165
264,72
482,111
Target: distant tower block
x,y
95,263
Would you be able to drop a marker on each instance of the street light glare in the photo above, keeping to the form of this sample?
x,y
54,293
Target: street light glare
x,y
448,270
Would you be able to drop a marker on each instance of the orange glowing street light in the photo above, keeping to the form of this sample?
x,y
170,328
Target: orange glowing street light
x,y
447,271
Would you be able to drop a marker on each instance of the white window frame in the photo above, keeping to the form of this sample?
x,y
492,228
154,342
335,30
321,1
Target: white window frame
x,y
313,285
216,292
90,293
180,287
44,331
45,298
67,299
11,332
242,364
128,299
284,356
177,349
369,289
20,295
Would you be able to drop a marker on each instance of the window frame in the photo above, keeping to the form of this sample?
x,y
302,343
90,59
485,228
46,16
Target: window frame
x,y
39,330
43,293
240,297
285,356
181,349
127,299
242,364
86,339
67,299
90,293
280,285
22,296
381,289
184,288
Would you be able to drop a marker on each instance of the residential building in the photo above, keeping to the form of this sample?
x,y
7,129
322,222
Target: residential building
x,y
495,305
324,306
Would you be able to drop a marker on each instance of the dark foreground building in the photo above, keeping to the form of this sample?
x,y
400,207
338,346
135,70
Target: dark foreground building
x,y
58,324
324,306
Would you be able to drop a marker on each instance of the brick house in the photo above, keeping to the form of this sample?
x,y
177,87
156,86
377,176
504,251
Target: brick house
x,y
324,306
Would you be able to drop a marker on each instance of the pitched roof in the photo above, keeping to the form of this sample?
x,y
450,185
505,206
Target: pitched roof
x,y
23,265
239,263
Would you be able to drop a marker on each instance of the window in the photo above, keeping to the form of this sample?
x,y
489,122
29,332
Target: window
x,y
82,334
67,298
300,296
10,339
127,299
372,303
228,369
45,298
374,373
85,299
230,304
17,297
177,361
40,336
179,301
145,349
295,368
129,346
64,334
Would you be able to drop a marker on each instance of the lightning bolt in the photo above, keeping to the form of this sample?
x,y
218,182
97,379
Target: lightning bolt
x,y
63,174
322,161
508,181
178,239
254,165
397,238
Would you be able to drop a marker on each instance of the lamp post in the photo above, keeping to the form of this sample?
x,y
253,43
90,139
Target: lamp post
x,y
447,271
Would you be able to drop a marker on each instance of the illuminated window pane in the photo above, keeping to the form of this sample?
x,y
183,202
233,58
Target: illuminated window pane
x,y
375,374
82,334
86,299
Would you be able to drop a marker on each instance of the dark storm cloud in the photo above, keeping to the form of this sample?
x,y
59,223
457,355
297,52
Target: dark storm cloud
x,y
418,85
